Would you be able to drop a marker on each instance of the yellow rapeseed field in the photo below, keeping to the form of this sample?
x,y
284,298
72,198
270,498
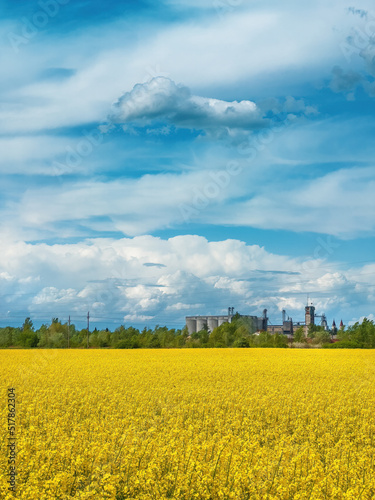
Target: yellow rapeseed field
x,y
191,424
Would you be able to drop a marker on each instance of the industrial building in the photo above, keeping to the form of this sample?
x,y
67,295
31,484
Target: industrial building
x,y
197,323
287,326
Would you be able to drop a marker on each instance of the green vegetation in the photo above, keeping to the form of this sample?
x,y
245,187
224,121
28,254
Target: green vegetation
x,y
343,344
362,334
318,335
238,333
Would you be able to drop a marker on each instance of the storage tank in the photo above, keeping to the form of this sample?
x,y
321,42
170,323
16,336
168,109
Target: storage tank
x,y
201,324
223,319
191,324
212,323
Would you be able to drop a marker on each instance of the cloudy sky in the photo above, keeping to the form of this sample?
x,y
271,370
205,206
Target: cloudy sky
x,y
162,159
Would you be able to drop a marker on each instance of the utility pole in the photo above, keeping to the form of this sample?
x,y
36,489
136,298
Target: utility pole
x,y
68,331
88,328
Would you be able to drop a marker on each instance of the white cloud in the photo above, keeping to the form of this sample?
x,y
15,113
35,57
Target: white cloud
x,y
137,318
36,155
332,281
339,203
109,277
132,206
370,317
249,44
162,100
5,276
153,202
179,306
289,303
51,295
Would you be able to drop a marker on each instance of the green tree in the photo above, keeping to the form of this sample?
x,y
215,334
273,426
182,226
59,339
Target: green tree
x,y
264,339
241,336
299,335
28,338
313,330
28,325
280,340
103,338
9,336
364,333
216,338
322,337
200,338
241,342
228,332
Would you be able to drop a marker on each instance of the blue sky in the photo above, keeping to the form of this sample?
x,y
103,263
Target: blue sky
x,y
175,158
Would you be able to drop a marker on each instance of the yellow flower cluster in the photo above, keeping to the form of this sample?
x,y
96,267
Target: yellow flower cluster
x,y
214,424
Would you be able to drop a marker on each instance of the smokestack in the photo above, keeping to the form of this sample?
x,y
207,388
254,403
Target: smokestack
x,y
284,315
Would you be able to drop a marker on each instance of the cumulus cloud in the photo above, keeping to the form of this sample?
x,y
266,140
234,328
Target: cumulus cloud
x,y
162,100
109,278
111,56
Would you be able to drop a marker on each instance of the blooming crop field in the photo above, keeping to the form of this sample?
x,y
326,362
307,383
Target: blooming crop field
x,y
190,424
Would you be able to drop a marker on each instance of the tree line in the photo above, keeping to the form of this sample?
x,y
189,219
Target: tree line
x,y
238,333
359,335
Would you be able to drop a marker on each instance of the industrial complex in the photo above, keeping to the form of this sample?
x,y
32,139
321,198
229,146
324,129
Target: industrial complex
x,y
262,323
